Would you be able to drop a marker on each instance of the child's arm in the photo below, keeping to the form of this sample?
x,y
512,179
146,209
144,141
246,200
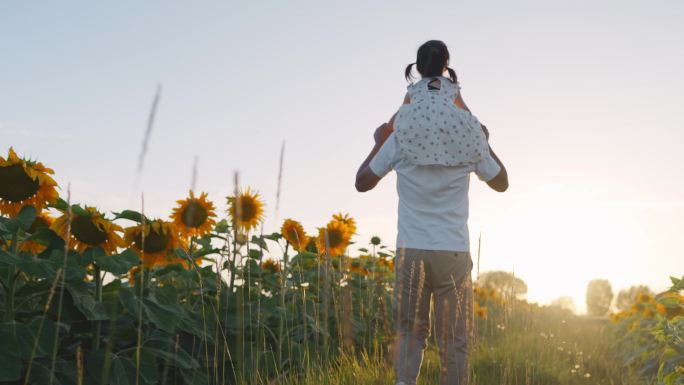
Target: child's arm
x,y
460,103
407,100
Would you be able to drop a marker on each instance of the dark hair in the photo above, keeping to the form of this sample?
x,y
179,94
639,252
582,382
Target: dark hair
x,y
431,59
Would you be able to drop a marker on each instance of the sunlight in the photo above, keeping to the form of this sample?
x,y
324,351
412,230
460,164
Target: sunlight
x,y
569,238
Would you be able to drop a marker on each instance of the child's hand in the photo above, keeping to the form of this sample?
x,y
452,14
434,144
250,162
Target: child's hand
x,y
382,132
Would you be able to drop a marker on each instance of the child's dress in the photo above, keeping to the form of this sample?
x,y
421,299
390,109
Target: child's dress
x,y
431,129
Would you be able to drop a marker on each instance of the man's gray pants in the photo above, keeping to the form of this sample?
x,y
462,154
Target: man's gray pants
x,y
444,278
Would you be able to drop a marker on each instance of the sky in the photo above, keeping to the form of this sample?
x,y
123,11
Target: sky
x,y
583,101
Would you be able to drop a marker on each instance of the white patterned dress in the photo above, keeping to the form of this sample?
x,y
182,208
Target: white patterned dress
x,y
431,129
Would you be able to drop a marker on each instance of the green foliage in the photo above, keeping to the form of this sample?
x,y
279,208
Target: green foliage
x,y
627,297
650,336
599,297
503,282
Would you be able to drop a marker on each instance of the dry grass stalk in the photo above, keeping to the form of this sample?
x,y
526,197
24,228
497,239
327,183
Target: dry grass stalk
x,y
69,218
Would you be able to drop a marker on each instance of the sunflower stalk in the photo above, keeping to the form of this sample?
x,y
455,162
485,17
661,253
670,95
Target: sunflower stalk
x,y
98,299
138,344
281,320
11,281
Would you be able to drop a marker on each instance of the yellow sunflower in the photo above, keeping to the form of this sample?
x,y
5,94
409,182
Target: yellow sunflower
x,y
311,244
155,242
194,217
43,220
90,229
357,266
24,182
671,310
387,263
615,318
338,238
480,311
271,265
294,233
347,220
247,210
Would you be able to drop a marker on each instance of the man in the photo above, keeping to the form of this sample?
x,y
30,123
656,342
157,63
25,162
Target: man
x,y
433,257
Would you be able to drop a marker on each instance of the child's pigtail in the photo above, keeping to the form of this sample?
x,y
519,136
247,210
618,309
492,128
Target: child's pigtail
x,y
407,73
452,75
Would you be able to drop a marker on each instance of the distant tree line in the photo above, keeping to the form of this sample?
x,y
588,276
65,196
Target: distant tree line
x,y
600,299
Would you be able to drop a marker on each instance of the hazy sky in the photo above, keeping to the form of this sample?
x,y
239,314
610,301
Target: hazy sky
x,y
583,100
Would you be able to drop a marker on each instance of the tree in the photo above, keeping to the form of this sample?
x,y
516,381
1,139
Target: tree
x,y
564,302
627,297
503,282
599,297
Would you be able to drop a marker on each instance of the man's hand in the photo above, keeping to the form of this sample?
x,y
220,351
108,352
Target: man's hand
x,y
382,132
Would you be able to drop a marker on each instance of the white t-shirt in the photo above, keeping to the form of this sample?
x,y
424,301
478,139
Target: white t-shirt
x,y
433,199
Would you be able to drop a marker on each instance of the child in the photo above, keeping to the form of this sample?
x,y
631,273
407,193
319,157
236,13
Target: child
x,y
433,143
434,126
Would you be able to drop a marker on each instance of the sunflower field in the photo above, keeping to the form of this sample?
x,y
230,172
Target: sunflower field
x,y
202,297
651,335
120,298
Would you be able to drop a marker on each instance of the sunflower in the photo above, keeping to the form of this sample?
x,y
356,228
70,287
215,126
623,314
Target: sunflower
x,y
247,210
648,313
294,233
615,318
387,263
43,220
357,267
23,183
311,244
480,311
90,229
348,221
194,217
672,309
155,242
338,238
271,265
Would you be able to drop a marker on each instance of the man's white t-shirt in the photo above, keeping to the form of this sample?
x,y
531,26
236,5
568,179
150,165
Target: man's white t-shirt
x,y
433,199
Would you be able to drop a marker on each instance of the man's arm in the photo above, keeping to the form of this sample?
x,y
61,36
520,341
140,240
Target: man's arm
x,y
365,178
500,181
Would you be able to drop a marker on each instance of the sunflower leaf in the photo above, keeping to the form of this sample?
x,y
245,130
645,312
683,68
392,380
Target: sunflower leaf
x,y
131,216
60,205
259,241
39,268
167,352
256,254
80,211
42,235
164,316
85,301
221,227
10,354
117,264
203,252
8,259
273,237
26,217
129,301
